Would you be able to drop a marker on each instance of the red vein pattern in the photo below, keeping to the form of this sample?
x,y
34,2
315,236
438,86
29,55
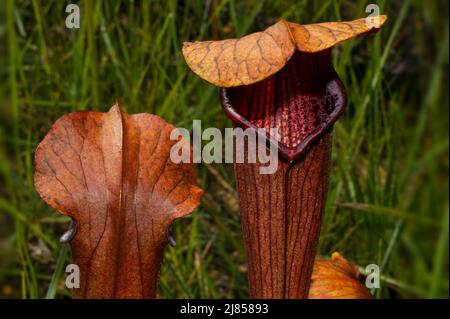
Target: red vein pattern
x,y
281,213
112,174
281,217
302,101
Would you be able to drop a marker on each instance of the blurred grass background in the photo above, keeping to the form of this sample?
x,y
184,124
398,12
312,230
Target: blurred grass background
x,y
388,194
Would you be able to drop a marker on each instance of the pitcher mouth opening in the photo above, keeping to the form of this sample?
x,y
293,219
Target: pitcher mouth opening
x,y
302,101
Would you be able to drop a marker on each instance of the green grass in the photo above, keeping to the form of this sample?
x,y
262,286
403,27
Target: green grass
x,y
388,194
